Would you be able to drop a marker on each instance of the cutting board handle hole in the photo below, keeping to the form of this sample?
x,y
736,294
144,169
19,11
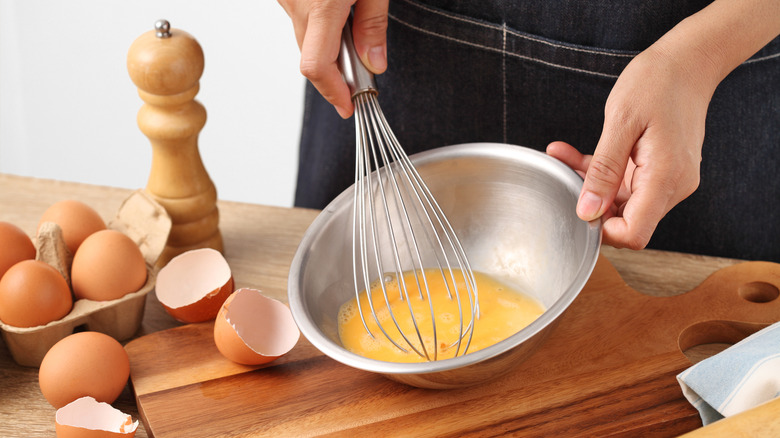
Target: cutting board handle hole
x,y
759,292
707,338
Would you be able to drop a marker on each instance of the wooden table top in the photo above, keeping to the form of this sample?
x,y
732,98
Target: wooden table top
x,y
260,242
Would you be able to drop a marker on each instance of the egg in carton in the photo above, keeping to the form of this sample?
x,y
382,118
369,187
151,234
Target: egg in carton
x,y
143,220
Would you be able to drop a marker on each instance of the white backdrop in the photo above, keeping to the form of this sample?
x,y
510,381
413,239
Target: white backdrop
x,y
68,107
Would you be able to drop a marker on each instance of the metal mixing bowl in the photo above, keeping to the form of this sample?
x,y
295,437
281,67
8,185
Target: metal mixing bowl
x,y
513,209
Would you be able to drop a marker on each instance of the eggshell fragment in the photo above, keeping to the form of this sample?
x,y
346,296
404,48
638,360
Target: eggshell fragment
x,y
84,364
15,246
194,284
252,329
87,418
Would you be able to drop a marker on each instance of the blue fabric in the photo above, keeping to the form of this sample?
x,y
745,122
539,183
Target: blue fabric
x,y
737,379
531,72
629,25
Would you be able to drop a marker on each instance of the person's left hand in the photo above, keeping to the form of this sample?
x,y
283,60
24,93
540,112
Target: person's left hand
x,y
647,159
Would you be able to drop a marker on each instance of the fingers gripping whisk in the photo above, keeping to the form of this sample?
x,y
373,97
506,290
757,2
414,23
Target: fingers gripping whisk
x,y
405,252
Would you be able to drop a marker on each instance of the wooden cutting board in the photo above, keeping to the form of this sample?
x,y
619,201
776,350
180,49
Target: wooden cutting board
x,y
608,369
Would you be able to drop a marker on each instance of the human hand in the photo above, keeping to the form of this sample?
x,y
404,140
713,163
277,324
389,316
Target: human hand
x,y
318,25
647,159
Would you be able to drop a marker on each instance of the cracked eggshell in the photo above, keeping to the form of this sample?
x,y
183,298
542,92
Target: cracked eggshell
x,y
194,284
252,329
87,418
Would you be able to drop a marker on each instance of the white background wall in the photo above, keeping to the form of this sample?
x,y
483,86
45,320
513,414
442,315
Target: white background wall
x,y
68,107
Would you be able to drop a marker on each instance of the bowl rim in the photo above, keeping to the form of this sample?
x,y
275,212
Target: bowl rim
x,y
337,352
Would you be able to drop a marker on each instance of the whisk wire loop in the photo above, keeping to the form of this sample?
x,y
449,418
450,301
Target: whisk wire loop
x,y
434,217
371,145
384,158
364,215
394,209
397,184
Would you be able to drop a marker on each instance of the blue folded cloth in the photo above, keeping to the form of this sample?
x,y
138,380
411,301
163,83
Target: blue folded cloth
x,y
736,379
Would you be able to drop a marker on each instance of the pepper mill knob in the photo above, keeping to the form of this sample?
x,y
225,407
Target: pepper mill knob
x,y
163,28
166,65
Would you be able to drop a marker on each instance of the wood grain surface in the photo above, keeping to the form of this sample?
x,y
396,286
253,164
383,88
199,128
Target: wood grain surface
x,y
259,244
608,369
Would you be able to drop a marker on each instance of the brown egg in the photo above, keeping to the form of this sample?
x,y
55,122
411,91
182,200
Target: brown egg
x,y
33,293
86,417
252,329
16,246
77,220
84,364
108,265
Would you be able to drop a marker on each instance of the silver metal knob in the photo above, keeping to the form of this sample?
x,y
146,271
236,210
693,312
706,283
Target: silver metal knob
x,y
163,28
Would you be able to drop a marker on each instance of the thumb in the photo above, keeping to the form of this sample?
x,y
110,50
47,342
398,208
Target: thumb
x,y
605,174
369,31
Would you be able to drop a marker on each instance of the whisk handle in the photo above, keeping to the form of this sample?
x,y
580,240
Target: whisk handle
x,y
355,74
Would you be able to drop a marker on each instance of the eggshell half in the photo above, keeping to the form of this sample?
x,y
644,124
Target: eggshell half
x,y
87,418
194,284
84,364
252,329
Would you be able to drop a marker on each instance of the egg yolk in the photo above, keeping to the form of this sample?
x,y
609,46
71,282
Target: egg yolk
x,y
502,312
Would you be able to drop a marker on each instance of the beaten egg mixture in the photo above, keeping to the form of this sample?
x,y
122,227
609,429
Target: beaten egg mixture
x,y
503,311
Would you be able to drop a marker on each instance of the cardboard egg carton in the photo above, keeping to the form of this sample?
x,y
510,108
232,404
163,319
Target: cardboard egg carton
x,y
143,220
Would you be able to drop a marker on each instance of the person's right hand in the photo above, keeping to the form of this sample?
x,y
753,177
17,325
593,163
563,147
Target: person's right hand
x,y
318,25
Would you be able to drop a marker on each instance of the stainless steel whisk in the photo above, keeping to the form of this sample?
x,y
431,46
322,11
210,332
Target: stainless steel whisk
x,y
398,227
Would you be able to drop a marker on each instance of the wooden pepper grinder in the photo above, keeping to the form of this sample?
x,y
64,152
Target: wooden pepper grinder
x,y
166,64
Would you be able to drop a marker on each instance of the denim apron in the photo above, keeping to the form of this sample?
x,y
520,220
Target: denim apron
x,y
530,72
